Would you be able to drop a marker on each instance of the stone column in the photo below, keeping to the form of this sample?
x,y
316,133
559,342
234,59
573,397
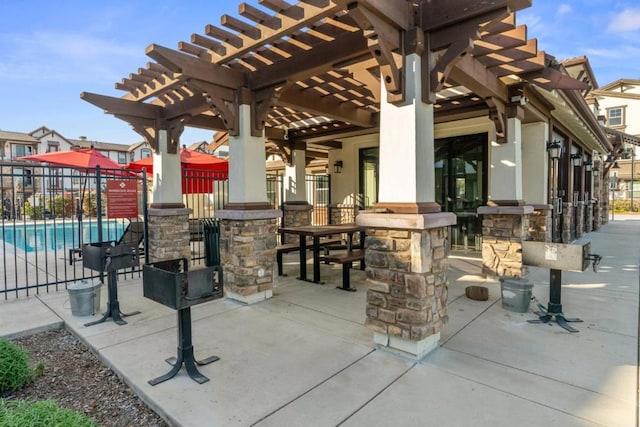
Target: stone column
x,y
247,253
567,221
407,286
503,230
168,234
248,223
405,248
296,209
590,205
168,219
580,215
540,223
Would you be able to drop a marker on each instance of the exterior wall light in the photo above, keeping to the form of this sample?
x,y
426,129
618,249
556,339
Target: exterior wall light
x,y
576,160
588,165
555,149
595,171
337,166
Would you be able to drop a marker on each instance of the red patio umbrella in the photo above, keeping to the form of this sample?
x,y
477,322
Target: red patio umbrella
x,y
199,170
85,159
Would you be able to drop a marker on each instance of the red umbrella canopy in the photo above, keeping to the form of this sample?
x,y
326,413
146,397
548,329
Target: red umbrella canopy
x,y
199,170
190,159
83,158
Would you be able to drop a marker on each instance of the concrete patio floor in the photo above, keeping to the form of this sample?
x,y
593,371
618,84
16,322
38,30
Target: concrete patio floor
x,y
304,358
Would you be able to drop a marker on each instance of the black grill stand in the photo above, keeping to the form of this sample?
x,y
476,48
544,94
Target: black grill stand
x,y
171,284
185,353
106,258
554,308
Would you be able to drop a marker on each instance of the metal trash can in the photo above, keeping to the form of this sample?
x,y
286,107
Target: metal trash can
x,y
516,294
211,231
84,297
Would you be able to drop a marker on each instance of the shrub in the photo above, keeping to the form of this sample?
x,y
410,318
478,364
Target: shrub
x,y
45,413
15,372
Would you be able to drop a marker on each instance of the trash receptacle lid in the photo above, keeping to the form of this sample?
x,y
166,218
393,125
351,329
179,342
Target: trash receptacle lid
x,y
83,284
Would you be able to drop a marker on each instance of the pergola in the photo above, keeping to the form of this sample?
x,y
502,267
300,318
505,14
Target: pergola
x,y
300,78
312,71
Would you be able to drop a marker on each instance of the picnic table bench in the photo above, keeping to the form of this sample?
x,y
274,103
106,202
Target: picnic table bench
x,y
286,248
347,259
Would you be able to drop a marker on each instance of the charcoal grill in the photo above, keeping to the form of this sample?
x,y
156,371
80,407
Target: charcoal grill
x,y
107,258
171,284
575,256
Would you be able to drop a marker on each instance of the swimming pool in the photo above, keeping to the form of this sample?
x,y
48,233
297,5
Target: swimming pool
x,y
51,236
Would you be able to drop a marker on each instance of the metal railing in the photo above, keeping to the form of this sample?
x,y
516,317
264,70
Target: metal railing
x,y
47,213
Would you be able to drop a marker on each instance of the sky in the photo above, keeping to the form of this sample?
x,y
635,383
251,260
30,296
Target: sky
x,y
51,51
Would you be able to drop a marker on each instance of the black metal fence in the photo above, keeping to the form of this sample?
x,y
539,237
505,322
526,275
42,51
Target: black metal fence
x,y
47,214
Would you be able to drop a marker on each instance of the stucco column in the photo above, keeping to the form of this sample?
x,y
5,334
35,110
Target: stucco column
x,y
168,219
505,186
167,176
407,147
295,208
405,247
248,222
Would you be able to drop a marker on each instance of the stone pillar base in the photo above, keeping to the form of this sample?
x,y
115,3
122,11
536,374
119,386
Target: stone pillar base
x,y
416,350
295,214
503,230
248,253
407,286
168,234
250,299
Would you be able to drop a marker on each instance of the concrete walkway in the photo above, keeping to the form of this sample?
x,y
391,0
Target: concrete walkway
x,y
304,358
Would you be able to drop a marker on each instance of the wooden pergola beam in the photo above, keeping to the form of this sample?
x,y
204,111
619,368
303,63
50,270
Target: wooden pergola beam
x,y
192,67
446,13
305,100
119,106
322,58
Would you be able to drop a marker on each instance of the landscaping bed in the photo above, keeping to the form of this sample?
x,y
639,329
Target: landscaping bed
x,y
76,379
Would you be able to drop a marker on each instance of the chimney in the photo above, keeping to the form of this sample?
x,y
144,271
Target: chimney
x,y
82,138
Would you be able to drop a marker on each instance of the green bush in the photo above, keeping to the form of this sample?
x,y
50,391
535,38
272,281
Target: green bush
x,y
15,372
45,413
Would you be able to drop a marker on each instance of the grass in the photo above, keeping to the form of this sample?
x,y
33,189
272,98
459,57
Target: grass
x,y
45,413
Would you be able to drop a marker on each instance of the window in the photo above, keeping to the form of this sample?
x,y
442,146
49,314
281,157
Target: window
x,y
615,116
122,157
369,163
144,153
21,150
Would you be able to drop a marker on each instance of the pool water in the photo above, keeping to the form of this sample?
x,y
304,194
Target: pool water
x,y
58,236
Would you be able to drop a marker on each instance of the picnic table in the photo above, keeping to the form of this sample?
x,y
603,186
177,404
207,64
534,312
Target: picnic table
x,y
315,233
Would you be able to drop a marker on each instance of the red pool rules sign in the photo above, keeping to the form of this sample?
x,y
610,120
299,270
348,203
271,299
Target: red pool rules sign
x,y
122,199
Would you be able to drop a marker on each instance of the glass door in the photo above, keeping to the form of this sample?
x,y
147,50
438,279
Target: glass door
x,y
461,185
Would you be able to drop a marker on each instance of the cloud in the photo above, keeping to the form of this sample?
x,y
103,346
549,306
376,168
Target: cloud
x,y
564,9
626,21
64,56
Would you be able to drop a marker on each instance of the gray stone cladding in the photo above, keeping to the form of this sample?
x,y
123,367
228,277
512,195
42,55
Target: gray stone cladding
x,y
247,253
168,236
406,282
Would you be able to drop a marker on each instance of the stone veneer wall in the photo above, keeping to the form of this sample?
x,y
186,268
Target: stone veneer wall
x,y
580,212
403,302
168,234
567,221
407,286
589,208
295,215
247,253
342,214
540,223
598,214
503,230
